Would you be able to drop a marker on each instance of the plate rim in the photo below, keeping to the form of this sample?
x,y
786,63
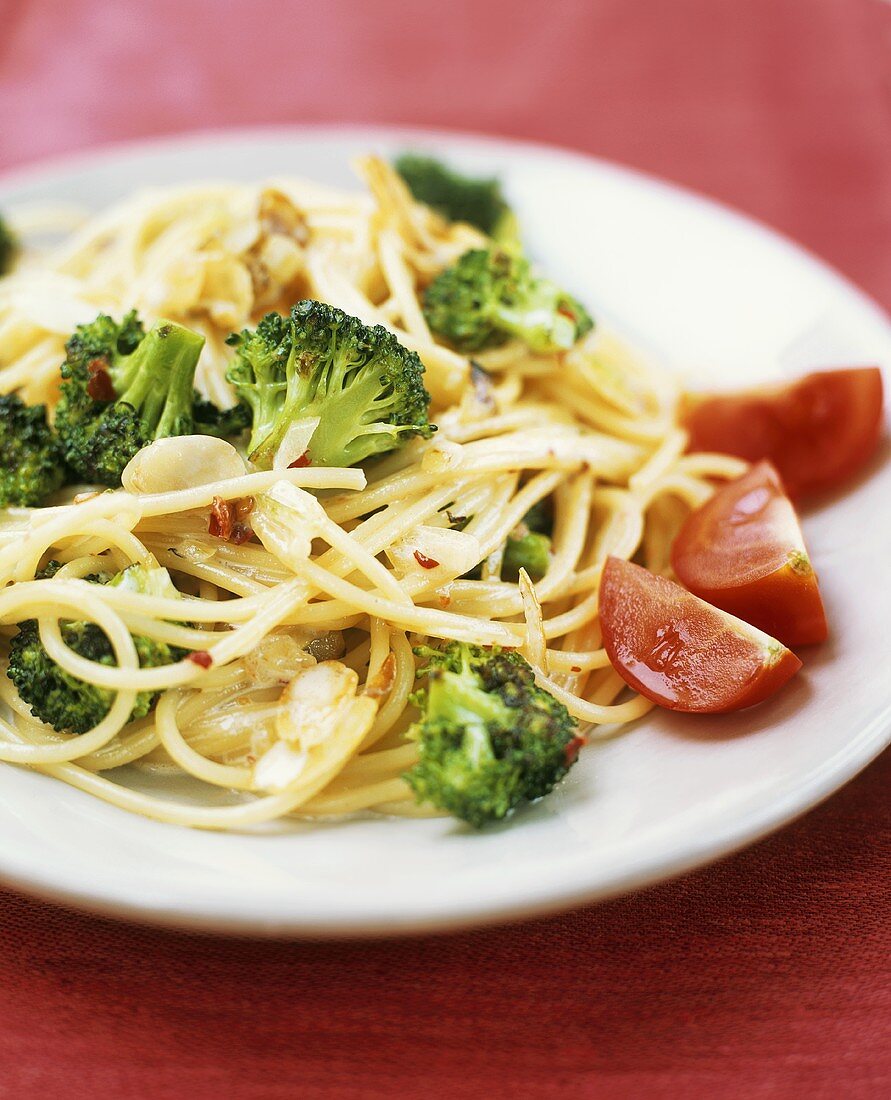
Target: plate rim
x,y
649,869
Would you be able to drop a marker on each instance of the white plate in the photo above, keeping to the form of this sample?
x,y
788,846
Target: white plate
x,y
708,290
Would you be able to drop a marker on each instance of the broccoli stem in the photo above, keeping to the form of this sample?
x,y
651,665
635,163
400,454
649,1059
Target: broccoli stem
x,y
271,423
344,413
157,379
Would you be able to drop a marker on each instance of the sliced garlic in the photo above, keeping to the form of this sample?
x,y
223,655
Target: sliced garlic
x,y
282,257
228,290
279,767
286,519
278,215
316,702
181,462
276,658
454,551
320,724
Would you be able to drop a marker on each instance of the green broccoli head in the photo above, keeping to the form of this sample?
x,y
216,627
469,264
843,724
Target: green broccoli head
x,y
147,578
49,570
490,295
212,420
31,461
528,546
363,386
459,198
489,737
9,246
526,550
540,517
121,389
63,701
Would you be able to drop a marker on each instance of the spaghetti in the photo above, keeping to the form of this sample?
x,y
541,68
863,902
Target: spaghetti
x,y
295,698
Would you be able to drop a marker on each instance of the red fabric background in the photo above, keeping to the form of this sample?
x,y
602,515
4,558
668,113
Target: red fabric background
x,y
767,975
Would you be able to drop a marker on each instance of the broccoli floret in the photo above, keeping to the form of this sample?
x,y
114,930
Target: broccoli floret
x,y
9,246
122,388
212,420
529,551
528,546
51,568
365,388
459,198
489,737
63,701
31,461
490,295
55,696
540,517
150,580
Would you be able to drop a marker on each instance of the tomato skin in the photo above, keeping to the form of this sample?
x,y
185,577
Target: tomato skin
x,y
680,652
744,552
818,430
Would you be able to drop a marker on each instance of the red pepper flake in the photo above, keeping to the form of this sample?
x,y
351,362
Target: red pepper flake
x,y
566,312
424,561
225,521
572,750
299,463
576,668
221,519
201,658
99,386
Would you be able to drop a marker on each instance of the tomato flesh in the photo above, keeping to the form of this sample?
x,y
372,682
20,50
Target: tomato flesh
x,y
817,431
744,552
680,651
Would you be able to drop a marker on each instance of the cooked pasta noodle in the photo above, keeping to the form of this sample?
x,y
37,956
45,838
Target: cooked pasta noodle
x,y
593,430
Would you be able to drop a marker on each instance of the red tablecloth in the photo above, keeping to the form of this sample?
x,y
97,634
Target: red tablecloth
x,y
766,975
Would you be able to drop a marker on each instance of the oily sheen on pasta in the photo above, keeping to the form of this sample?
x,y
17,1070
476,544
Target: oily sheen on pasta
x,y
296,696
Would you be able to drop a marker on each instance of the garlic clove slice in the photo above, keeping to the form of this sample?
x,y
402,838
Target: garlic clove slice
x,y
182,462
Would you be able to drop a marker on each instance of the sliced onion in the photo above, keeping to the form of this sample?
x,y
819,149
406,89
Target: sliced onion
x,y
296,442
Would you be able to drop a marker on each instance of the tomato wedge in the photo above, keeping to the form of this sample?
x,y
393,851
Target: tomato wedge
x,y
680,651
817,431
744,552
